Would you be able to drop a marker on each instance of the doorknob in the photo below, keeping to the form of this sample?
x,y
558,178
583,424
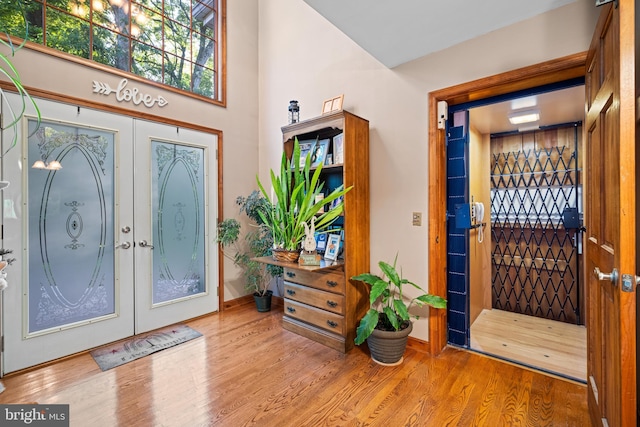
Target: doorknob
x,y
612,277
124,245
144,244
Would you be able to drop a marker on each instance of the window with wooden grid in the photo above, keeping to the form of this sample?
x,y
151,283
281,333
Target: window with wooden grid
x,y
172,42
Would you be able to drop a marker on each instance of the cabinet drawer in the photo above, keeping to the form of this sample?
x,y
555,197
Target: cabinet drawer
x,y
321,299
332,281
320,318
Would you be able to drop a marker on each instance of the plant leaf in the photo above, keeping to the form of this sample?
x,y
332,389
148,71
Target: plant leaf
x,y
392,317
401,309
367,278
366,326
432,300
390,272
378,288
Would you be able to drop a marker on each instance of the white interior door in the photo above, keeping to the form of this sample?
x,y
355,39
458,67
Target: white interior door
x,y
69,290
175,209
83,276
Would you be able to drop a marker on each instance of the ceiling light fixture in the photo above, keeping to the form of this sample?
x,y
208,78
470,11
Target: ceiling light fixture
x,y
521,117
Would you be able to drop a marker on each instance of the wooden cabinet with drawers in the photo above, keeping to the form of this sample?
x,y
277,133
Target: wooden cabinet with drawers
x,y
323,303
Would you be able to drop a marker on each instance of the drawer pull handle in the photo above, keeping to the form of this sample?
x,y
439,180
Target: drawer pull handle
x,y
332,283
291,309
291,292
291,274
332,323
332,303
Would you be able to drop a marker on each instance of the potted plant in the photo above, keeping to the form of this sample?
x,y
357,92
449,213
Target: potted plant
x,y
258,243
295,203
387,324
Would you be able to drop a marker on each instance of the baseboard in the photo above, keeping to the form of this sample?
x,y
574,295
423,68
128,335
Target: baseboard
x,y
419,345
248,299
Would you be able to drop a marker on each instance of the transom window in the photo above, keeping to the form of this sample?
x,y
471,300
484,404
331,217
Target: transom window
x,y
174,42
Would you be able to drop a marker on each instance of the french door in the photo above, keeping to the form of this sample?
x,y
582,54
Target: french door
x,y
100,243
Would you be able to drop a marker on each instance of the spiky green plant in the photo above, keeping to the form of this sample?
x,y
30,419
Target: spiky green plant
x,y
258,243
295,203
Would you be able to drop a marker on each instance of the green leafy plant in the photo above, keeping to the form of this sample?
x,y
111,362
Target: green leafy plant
x,y
388,310
258,242
8,69
295,202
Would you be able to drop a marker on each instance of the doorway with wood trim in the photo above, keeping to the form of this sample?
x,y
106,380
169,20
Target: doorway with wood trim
x,y
550,73
514,285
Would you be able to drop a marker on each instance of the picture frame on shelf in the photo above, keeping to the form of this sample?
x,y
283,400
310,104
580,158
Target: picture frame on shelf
x,y
305,148
321,242
328,159
333,247
336,202
333,104
319,153
338,149
326,106
336,104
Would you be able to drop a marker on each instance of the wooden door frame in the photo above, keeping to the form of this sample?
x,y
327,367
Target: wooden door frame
x,y
554,71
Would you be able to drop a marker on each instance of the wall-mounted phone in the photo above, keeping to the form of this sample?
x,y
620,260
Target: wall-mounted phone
x,y
477,212
477,215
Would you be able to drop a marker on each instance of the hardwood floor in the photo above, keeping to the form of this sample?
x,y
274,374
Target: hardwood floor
x,y
555,347
248,370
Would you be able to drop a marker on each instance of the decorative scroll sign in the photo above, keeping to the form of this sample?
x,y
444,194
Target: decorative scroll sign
x,y
124,94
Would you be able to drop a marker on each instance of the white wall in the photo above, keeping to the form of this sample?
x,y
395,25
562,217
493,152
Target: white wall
x,y
238,122
303,57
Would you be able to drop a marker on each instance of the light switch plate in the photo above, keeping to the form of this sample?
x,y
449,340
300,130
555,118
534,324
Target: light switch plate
x,y
417,219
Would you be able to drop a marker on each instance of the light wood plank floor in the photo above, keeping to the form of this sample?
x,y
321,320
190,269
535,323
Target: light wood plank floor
x,y
247,370
555,347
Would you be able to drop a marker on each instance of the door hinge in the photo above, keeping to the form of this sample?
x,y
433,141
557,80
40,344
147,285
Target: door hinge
x,y
2,344
216,154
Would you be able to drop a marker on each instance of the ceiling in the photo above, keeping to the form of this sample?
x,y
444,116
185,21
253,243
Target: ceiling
x,y
560,106
396,32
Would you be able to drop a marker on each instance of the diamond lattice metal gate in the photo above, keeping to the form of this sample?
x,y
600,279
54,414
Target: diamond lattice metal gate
x,y
534,178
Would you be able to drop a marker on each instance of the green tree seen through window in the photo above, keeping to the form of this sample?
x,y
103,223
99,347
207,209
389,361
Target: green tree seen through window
x,y
174,42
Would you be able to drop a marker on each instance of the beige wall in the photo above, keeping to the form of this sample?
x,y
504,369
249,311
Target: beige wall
x,y
480,253
303,57
238,122
280,50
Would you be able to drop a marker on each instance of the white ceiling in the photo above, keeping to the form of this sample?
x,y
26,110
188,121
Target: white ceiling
x,y
395,32
560,106
399,31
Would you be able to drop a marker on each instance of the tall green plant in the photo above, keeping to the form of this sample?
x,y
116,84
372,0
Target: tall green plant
x,y
258,243
295,190
10,72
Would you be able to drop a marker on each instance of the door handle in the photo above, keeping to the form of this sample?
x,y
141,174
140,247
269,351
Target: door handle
x,y
611,277
144,244
123,245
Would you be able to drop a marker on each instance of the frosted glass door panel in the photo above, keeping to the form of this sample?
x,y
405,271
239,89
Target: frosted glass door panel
x,y
71,225
178,210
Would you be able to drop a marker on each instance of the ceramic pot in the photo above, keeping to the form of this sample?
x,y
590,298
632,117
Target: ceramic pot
x,y
387,347
263,302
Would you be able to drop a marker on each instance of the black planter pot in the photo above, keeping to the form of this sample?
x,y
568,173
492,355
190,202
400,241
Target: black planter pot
x,y
387,347
263,303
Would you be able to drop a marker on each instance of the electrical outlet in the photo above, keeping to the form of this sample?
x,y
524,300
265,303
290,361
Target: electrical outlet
x,y
417,219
